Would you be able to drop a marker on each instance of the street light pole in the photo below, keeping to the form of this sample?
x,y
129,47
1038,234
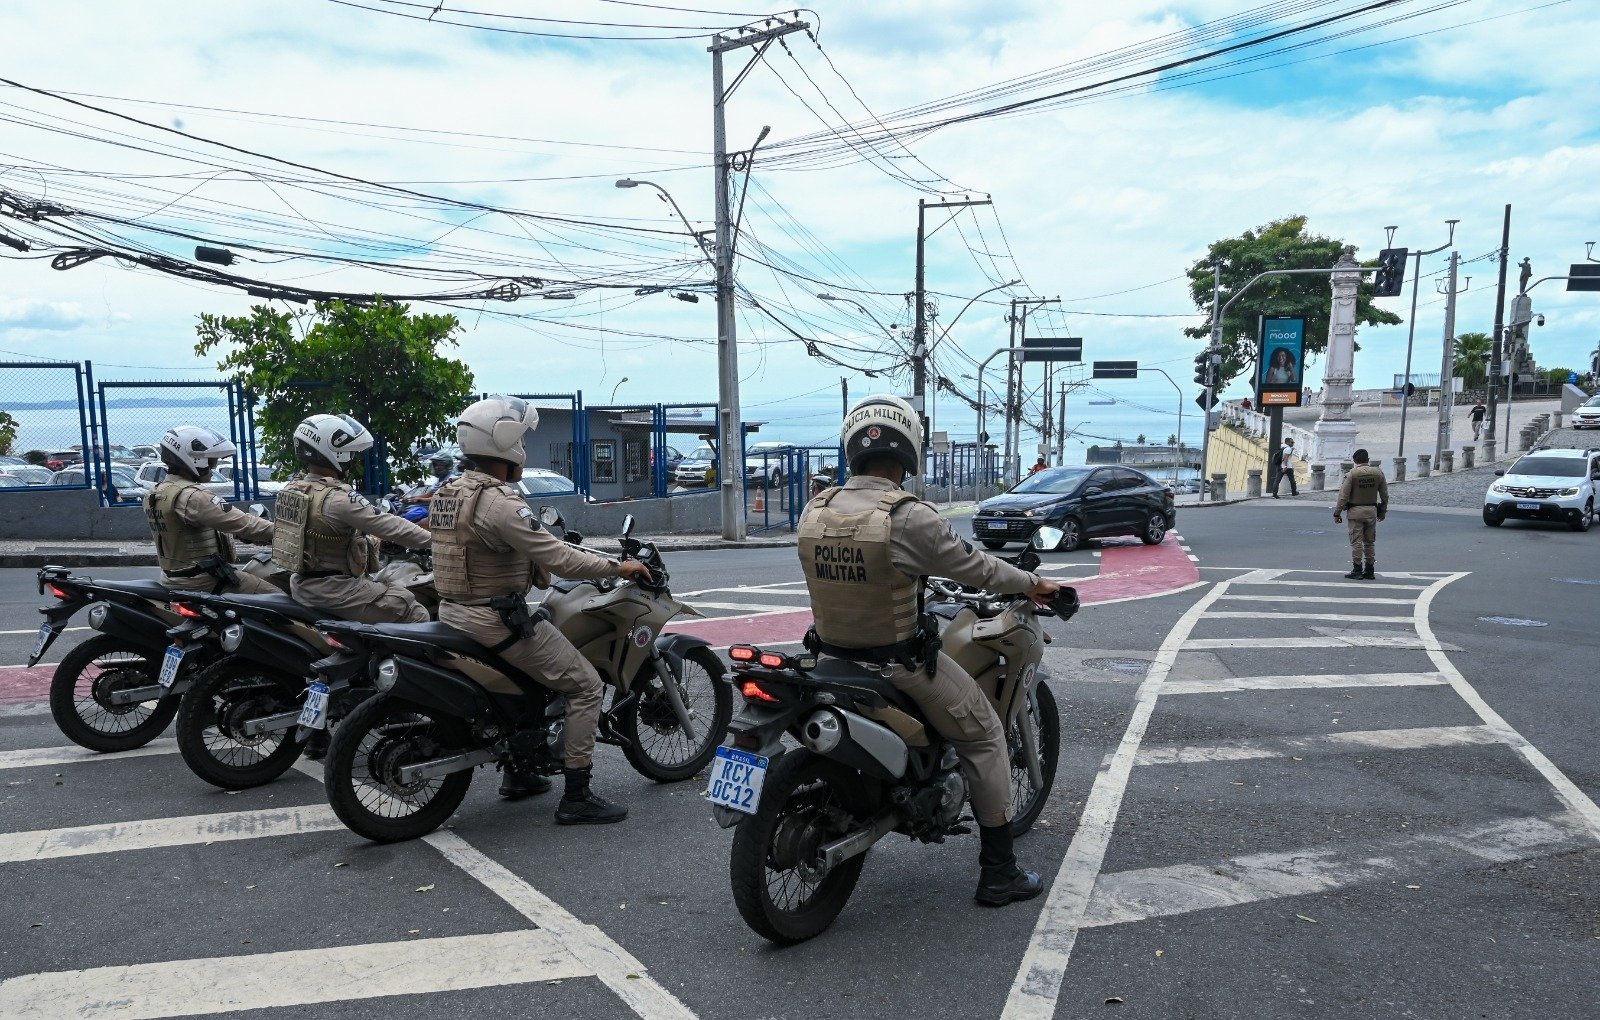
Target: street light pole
x,y
919,335
1411,329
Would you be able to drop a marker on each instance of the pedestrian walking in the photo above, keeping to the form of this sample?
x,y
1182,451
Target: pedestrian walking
x,y
1478,411
1038,466
1283,461
1365,496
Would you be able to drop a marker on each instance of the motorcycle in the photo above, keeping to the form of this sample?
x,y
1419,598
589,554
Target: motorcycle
x,y
868,764
119,689
401,762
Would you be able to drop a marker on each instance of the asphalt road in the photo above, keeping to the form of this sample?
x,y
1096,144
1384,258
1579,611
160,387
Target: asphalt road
x,y
1307,807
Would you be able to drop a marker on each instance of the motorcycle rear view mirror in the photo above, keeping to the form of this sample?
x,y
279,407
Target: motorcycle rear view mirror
x,y
260,510
1046,539
627,526
550,517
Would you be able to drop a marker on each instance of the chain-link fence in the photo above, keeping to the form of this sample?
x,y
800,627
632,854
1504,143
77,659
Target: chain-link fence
x,y
134,415
44,425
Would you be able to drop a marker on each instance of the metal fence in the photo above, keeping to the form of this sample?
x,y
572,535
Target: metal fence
x,y
133,415
46,427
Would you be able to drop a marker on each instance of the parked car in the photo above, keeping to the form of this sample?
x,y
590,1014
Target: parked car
x,y
144,452
62,459
1587,414
1082,502
31,474
697,469
764,463
672,460
543,482
11,481
1546,485
125,481
265,485
7,461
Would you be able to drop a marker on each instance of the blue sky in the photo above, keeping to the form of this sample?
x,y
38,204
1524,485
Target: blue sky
x,y
1112,197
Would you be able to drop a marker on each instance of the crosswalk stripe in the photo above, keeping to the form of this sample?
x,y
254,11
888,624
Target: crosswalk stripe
x,y
146,834
1319,599
1280,747
1325,641
33,757
1128,896
1335,617
1340,584
301,977
1297,681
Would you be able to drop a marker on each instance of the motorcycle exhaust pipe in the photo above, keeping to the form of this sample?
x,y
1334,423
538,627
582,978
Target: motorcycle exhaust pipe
x,y
822,732
856,843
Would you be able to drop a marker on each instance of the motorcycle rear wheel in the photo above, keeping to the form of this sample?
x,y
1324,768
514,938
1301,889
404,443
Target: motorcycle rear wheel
x,y
88,675
657,747
1028,802
780,894
213,708
368,748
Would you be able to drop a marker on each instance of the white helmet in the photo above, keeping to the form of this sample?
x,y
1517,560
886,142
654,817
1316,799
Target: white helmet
x,y
331,440
883,424
495,427
190,450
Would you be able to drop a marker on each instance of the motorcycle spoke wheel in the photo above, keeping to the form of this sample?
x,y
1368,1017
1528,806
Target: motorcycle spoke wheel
x,y
362,772
81,690
1027,801
211,724
658,746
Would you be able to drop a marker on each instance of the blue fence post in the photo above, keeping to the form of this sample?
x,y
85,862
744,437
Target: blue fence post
x,y
580,443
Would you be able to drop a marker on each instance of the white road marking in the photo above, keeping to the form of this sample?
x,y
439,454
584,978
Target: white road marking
x,y
72,754
775,587
748,607
1297,681
1281,747
602,957
1575,799
1325,641
1130,896
35,630
145,834
1319,599
1343,585
1334,617
1038,983
297,978
693,621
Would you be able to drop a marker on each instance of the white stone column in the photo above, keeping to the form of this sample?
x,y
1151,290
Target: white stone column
x,y
1336,433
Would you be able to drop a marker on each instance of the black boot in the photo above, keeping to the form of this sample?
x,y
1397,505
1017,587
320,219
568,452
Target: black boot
x,y
1366,572
516,784
1001,880
581,806
317,745
1355,571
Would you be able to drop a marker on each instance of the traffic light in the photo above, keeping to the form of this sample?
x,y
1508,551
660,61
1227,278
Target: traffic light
x,y
1391,272
1202,368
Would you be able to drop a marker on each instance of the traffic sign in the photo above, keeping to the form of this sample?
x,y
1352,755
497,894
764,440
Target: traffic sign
x,y
1584,276
1052,348
1206,405
1116,370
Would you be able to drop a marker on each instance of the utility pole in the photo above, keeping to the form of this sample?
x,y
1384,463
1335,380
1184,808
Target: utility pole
x,y
730,427
1061,427
1019,328
1499,329
1447,397
1213,374
919,336
1411,329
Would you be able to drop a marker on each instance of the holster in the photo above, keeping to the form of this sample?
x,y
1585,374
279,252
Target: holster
x,y
514,614
222,570
920,651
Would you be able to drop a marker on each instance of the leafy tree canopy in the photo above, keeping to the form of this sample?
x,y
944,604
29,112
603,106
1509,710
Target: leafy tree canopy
x,y
378,363
8,433
1469,363
1281,244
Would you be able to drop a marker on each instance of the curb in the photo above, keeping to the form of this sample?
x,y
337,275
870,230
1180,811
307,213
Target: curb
x,y
36,560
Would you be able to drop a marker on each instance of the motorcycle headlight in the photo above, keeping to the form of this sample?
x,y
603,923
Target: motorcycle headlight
x,y
1569,492
97,615
232,637
388,673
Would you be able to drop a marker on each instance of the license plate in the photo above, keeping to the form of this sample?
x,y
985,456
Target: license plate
x,y
736,778
1527,506
996,525
170,664
45,630
315,713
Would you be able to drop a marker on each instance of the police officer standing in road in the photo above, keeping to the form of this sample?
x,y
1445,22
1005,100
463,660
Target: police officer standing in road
x,y
488,550
873,614
193,526
326,533
1365,496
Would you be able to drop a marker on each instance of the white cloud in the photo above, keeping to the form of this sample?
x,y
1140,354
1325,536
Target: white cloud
x,y
33,314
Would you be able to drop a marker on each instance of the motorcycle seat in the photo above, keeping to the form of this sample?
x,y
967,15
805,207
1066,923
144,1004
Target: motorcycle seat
x,y
283,605
442,635
836,672
155,591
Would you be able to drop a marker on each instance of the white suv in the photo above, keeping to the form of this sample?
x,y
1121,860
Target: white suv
x,y
1546,485
1587,414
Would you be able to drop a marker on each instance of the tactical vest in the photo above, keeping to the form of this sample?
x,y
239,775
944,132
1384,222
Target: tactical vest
x,y
858,597
465,569
1364,485
304,540
179,544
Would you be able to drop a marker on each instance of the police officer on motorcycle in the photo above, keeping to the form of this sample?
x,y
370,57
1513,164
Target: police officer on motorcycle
x,y
488,550
867,549
326,533
193,527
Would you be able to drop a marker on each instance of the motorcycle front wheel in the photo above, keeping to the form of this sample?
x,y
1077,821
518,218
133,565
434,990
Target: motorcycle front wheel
x,y
782,889
81,690
362,770
1040,715
212,716
657,745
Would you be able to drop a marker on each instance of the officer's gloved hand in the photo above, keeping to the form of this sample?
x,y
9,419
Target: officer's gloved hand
x,y
634,570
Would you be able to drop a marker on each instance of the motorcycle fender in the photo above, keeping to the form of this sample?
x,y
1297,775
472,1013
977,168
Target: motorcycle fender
x,y
676,646
57,617
766,725
437,688
133,626
727,817
271,648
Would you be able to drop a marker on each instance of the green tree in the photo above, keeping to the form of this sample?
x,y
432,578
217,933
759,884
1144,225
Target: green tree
x,y
1557,376
8,433
1140,439
1172,440
378,363
1281,244
1469,364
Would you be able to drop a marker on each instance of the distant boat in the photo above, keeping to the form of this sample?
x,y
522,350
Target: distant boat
x,y
1102,402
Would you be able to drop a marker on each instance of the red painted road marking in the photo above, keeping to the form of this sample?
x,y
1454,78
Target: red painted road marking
x,y
19,683
1128,570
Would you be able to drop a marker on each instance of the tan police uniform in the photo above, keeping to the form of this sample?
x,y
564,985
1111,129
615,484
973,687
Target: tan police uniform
x,y
865,548
190,523
1362,497
326,534
488,543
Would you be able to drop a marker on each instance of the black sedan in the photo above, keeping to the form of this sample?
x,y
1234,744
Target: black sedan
x,y
1083,502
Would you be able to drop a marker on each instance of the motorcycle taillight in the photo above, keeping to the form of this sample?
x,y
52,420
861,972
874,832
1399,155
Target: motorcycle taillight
x,y
753,691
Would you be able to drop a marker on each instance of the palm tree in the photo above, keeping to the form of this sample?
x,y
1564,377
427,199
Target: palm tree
x,y
1172,440
1141,439
1470,363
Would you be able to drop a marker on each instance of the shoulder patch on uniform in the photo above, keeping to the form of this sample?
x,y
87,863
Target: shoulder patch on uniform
x,y
358,500
527,514
219,500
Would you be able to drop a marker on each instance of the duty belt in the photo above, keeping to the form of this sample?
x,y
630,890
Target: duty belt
x,y
920,651
317,575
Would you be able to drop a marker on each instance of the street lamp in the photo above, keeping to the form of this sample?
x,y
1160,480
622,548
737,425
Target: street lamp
x,y
666,196
617,387
825,296
1411,325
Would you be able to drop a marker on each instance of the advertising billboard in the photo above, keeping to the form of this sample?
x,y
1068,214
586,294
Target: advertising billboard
x,y
1280,373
